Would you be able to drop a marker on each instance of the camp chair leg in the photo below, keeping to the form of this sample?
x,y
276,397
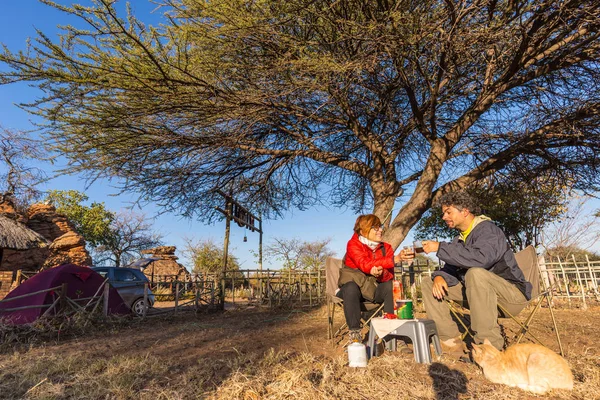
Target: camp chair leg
x,y
555,327
377,311
456,313
341,332
524,326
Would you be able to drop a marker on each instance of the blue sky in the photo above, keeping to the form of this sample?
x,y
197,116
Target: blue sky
x,y
18,21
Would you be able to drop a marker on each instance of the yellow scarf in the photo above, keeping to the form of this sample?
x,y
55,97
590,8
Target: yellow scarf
x,y
474,223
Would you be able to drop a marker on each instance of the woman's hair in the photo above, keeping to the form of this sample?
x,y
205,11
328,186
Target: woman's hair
x,y
365,222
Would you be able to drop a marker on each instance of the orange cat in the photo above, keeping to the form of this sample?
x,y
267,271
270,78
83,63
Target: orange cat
x,y
527,366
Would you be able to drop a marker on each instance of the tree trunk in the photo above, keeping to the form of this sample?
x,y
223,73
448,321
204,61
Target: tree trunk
x,y
421,198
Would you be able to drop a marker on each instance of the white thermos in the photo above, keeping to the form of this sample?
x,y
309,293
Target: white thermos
x,y
357,355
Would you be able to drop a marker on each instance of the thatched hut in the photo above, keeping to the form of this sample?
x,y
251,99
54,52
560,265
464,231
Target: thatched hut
x,y
165,266
16,236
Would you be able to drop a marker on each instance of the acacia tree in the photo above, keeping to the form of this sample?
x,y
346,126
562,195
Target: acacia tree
x,y
19,178
315,253
129,234
381,101
207,256
296,254
287,251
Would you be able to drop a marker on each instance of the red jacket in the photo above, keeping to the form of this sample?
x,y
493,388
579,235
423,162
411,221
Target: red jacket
x,y
360,256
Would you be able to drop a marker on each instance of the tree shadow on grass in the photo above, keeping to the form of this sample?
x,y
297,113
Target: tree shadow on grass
x,y
447,383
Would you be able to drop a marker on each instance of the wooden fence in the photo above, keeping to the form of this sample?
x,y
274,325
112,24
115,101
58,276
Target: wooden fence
x,y
572,279
575,281
192,293
277,288
61,303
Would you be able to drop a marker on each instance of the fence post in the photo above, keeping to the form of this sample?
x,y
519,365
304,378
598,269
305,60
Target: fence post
x,y
300,276
105,295
319,288
63,296
269,286
411,279
222,287
582,288
260,288
592,275
176,295
309,289
233,288
566,280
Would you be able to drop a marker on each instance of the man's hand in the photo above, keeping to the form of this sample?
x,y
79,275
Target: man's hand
x,y
440,287
376,271
430,246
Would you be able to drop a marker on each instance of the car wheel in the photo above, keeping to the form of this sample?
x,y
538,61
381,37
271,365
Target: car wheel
x,y
138,307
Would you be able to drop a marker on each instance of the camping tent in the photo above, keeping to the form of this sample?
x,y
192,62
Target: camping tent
x,y
81,282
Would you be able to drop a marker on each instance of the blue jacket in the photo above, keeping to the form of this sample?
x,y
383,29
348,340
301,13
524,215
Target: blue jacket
x,y
485,247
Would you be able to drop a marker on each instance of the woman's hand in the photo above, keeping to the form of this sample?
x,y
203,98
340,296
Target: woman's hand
x,y
406,254
376,271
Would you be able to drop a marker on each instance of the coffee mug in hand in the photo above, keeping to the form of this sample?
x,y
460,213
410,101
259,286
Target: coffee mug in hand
x,y
418,246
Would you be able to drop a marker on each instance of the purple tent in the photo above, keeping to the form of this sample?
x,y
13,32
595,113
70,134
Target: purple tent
x,y
81,282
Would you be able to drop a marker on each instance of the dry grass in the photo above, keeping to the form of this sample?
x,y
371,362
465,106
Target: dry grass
x,y
260,356
62,327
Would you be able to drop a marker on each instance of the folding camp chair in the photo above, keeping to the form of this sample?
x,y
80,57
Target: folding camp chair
x,y
332,274
528,262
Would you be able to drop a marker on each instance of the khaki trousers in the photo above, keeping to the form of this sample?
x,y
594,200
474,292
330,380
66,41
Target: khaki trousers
x,y
481,293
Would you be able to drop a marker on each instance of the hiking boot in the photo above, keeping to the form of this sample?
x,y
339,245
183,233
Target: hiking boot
x,y
354,336
454,347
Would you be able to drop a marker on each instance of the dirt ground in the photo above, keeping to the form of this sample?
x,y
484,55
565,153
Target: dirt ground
x,y
229,345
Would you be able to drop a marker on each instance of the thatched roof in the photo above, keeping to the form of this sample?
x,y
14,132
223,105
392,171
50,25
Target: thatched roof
x,y
16,236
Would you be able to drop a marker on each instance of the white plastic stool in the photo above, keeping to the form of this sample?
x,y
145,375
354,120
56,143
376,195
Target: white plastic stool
x,y
420,332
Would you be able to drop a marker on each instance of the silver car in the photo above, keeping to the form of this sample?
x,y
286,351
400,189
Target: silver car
x,y
129,282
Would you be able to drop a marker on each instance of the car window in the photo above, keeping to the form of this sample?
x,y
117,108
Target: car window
x,y
124,275
103,273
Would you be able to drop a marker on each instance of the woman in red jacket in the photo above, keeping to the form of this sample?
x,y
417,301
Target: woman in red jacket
x,y
366,252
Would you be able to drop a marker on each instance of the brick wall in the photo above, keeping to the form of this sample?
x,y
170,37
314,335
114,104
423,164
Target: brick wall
x,y
6,279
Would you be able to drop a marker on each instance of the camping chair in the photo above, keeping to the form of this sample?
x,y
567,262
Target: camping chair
x,y
332,274
528,262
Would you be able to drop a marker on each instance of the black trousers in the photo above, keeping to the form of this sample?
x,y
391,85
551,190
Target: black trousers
x,y
350,292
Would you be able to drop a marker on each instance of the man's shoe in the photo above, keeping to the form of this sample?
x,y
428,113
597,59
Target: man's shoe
x,y
454,347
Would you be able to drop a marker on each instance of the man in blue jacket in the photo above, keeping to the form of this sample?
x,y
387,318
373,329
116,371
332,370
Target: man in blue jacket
x,y
480,272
